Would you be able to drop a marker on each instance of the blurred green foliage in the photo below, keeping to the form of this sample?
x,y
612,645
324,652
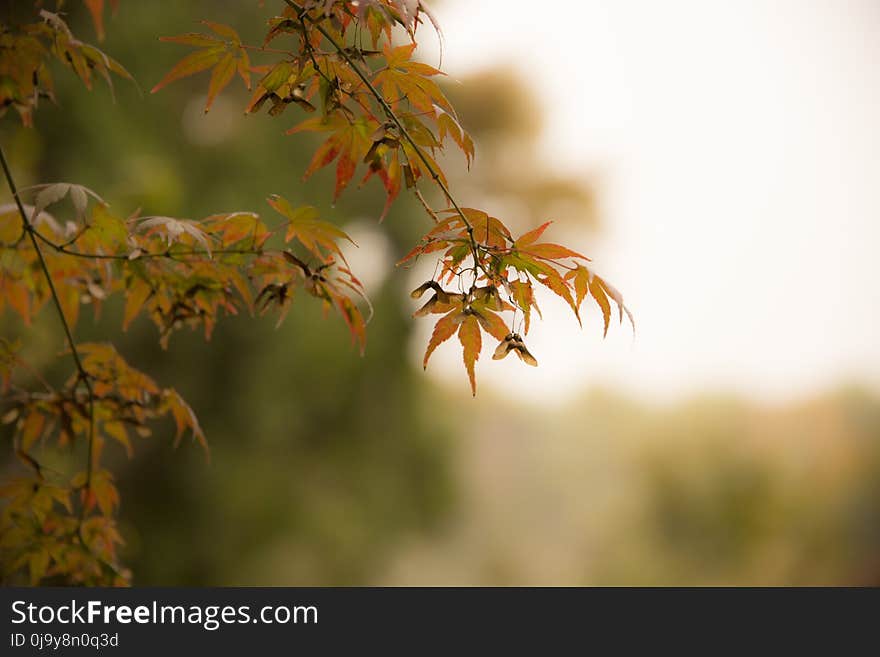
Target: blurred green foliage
x,y
716,491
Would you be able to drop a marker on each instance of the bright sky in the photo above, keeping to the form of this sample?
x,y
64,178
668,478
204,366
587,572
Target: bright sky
x,y
740,144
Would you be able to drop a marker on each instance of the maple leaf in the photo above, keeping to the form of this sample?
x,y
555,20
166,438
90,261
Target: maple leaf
x,y
30,429
347,308
349,142
532,236
284,83
101,490
385,144
448,231
319,237
471,342
333,285
96,9
448,125
491,322
173,229
234,227
618,299
223,52
465,314
598,293
554,282
443,330
52,193
524,297
587,282
184,418
488,230
28,51
526,244
220,77
138,291
403,78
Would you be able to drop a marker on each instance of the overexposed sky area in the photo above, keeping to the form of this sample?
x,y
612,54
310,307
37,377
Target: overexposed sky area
x,y
739,146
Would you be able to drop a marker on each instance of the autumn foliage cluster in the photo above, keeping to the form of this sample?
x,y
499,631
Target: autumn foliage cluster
x,y
343,70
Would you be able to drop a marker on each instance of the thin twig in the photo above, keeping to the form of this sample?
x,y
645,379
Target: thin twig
x,y
142,256
426,206
266,49
389,112
82,374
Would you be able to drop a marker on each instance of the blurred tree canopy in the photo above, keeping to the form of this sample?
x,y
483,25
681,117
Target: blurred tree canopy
x,y
714,491
506,113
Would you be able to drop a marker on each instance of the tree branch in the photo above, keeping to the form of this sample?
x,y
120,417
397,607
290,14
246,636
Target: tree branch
x,y
389,112
83,374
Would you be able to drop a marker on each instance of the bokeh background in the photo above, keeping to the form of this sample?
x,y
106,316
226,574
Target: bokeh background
x,y
720,161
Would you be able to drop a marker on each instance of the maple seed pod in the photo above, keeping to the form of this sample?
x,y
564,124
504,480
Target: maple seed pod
x,y
427,309
501,350
489,294
513,342
424,287
525,356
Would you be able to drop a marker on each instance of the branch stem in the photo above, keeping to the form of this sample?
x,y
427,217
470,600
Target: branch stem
x,y
83,375
392,116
